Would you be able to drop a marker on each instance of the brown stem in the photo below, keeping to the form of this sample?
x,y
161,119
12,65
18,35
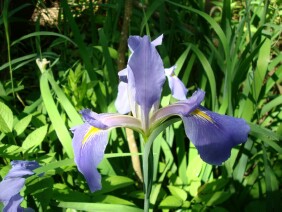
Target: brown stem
x,y
121,64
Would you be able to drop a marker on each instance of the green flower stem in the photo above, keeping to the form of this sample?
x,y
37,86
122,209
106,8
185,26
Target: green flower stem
x,y
148,162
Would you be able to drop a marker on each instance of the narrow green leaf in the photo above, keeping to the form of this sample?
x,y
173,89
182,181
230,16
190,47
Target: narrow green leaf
x,y
55,117
262,64
181,60
111,74
194,168
218,198
212,22
271,105
240,169
66,104
209,72
42,33
55,165
83,50
272,184
150,11
98,207
261,132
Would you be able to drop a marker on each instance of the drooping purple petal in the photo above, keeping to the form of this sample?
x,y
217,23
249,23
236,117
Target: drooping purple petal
x,y
146,75
181,108
108,120
22,168
13,182
178,90
214,135
14,204
122,100
9,187
89,144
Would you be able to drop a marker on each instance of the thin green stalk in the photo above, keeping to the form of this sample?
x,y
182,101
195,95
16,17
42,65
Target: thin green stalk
x,y
148,162
148,169
6,25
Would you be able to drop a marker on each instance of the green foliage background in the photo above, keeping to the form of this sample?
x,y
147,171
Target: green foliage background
x,y
230,49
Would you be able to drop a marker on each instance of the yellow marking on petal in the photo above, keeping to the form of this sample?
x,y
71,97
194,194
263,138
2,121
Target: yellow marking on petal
x,y
202,115
90,132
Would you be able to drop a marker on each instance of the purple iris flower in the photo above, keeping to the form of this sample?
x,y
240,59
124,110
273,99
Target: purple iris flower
x,y
139,92
12,184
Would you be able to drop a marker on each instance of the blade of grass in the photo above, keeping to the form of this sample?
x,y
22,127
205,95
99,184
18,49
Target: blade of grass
x,y
149,12
6,28
181,60
239,170
209,72
42,33
262,65
84,52
272,186
99,207
65,103
111,73
271,105
59,125
227,98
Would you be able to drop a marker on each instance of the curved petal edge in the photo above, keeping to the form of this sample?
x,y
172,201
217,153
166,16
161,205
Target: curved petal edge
x,y
214,135
89,144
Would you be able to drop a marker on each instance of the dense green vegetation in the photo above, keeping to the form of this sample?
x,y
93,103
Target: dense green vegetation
x,y
230,49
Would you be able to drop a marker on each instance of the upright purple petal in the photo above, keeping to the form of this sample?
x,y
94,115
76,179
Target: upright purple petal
x,y
122,100
178,90
214,135
89,144
146,75
134,42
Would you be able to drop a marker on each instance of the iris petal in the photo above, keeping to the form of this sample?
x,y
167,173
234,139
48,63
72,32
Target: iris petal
x,y
158,41
14,204
181,108
122,102
11,186
214,135
146,76
108,120
178,90
123,75
134,42
89,144
13,182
